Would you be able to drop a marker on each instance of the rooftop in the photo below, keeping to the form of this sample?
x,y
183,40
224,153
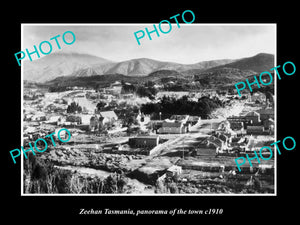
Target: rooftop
x,y
266,111
172,124
252,113
108,114
147,137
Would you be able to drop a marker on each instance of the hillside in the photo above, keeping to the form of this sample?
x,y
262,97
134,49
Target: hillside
x,y
59,64
89,81
258,63
107,79
144,66
222,77
142,70
82,65
138,67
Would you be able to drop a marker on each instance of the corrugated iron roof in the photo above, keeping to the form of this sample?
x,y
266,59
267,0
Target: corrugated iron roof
x,y
253,113
108,114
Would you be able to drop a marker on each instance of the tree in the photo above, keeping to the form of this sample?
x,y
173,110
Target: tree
x,y
110,184
160,187
167,105
173,188
100,105
127,88
74,107
149,92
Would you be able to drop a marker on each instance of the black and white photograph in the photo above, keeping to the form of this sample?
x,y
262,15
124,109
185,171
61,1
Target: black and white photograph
x,y
125,112
108,112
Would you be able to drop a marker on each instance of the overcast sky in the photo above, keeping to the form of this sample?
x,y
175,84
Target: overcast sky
x,y
191,43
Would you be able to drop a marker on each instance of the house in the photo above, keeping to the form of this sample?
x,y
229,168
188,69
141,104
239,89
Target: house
x,y
39,117
224,125
236,119
156,124
127,96
236,125
181,118
194,120
108,117
114,88
28,117
30,130
144,141
86,119
266,114
174,171
254,118
255,130
216,142
269,125
172,128
55,120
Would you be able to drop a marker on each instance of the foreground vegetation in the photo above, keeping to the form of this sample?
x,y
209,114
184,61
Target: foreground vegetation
x,y
43,177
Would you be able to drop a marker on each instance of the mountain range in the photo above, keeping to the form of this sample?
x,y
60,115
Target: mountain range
x,y
59,64
75,65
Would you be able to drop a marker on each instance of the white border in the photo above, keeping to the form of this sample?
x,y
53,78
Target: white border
x,y
140,24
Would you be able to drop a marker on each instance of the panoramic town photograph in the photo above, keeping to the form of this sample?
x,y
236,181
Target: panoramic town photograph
x,y
160,118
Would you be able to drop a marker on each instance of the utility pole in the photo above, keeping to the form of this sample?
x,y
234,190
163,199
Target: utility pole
x,y
183,150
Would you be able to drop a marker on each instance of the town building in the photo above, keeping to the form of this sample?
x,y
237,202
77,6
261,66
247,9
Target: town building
x,y
269,125
114,89
86,118
173,128
108,117
216,143
194,120
180,118
40,116
237,125
254,118
265,114
144,141
258,130
54,120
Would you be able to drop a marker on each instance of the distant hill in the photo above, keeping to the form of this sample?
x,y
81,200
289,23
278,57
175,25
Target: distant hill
x,y
138,67
144,67
82,65
258,63
59,64
164,73
107,79
90,81
231,73
86,70
222,77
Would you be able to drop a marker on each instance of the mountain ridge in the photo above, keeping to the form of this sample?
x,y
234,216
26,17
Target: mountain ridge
x,y
258,63
80,65
84,65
